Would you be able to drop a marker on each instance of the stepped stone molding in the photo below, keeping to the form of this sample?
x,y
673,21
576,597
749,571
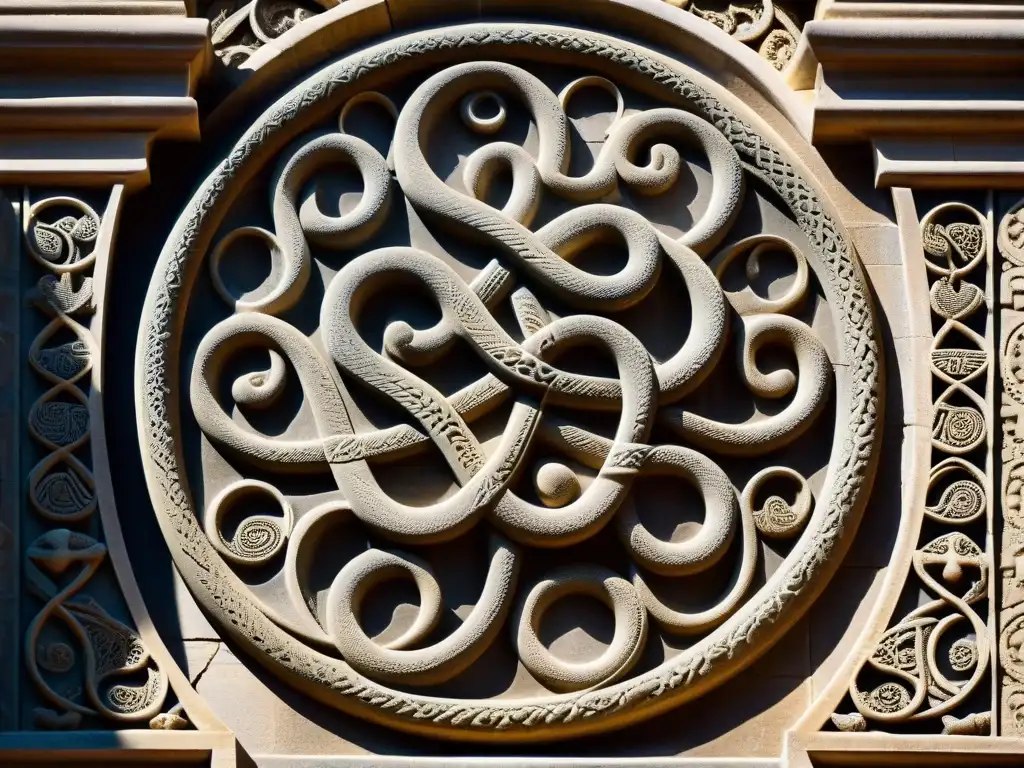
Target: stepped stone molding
x,y
68,113
205,553
95,7
900,82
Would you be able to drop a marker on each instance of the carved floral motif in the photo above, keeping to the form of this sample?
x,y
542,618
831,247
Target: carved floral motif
x,y
763,25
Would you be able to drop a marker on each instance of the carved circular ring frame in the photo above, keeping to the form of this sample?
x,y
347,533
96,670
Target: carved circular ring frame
x,y
709,661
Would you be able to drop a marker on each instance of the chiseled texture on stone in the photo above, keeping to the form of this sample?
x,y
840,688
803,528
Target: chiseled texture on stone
x,y
557,307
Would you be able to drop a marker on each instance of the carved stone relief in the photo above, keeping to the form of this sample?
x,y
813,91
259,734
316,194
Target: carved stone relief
x,y
238,28
1011,605
931,669
88,667
543,451
766,26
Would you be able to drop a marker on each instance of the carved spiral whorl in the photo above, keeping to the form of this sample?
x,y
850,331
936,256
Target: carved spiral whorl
x,y
620,655
257,538
776,517
395,661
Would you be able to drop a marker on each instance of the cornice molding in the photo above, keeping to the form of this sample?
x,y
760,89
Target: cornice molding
x,y
82,96
928,93
88,7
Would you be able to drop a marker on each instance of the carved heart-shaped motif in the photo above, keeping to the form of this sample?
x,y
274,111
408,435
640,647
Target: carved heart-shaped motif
x,y
953,303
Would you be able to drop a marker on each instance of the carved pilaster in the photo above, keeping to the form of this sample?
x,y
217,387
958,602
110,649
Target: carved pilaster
x,y
931,669
85,661
1011,531
10,483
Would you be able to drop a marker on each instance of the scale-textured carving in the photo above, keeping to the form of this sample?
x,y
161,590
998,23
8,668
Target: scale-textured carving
x,y
645,392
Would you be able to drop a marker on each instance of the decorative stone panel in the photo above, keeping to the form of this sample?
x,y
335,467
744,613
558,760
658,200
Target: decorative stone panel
x,y
461,438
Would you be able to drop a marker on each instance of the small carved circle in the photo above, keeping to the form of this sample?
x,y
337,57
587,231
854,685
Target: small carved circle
x,y
63,245
57,657
1011,235
63,495
556,484
963,655
958,429
484,112
888,698
260,298
257,538
953,250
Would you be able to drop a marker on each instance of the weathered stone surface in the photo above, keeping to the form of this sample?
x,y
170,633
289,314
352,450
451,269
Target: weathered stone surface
x,y
504,382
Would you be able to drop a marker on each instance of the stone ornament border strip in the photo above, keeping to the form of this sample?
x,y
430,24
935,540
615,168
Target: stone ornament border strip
x,y
956,256
725,651
73,259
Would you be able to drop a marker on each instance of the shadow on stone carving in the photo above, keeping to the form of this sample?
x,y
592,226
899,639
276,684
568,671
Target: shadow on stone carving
x,y
758,251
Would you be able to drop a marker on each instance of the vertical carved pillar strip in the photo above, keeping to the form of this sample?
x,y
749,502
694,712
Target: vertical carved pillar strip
x,y
86,665
933,664
10,481
1011,554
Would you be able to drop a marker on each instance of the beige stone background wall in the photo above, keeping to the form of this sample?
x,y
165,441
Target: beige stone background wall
x,y
206,561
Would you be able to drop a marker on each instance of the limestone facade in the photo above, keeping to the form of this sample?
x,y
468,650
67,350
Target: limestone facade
x,y
496,382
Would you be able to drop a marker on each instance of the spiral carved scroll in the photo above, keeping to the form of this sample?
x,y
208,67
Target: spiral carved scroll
x,y
546,480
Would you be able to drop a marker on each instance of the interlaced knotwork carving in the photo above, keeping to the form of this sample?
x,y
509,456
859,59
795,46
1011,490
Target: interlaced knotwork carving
x,y
556,306
764,25
238,28
99,679
929,665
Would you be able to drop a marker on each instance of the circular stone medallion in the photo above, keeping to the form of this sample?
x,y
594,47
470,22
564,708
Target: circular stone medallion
x,y
579,333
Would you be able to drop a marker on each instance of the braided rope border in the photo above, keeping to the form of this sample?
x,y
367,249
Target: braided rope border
x,y
684,676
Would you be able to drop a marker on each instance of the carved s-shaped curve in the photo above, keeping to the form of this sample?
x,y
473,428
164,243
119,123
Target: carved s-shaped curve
x,y
291,259
370,504
812,381
394,661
